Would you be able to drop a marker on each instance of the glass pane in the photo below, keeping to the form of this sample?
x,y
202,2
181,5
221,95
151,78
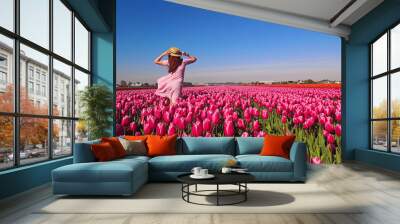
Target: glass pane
x,y
395,47
379,55
81,81
6,142
81,45
395,136
379,135
7,14
34,97
379,97
395,94
33,139
81,131
35,21
6,74
62,29
62,138
62,89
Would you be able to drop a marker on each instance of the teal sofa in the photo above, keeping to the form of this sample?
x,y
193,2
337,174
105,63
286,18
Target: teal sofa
x,y
125,176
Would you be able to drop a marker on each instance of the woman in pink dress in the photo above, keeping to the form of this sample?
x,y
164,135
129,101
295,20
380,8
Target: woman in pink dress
x,y
170,86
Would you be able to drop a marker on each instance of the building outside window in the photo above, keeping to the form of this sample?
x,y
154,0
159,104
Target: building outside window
x,y
57,127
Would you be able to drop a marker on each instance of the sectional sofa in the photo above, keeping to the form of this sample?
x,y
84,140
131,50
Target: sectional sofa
x,y
125,176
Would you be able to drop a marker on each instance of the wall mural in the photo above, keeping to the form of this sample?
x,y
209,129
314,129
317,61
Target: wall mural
x,y
193,72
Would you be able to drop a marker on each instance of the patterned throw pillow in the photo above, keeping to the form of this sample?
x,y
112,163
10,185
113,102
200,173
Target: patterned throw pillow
x,y
136,147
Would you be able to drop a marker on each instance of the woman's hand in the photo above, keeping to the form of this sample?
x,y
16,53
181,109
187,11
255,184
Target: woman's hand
x,y
165,52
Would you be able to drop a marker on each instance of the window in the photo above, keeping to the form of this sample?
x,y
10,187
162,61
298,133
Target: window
x,y
34,21
47,76
62,29
7,14
81,45
385,91
30,87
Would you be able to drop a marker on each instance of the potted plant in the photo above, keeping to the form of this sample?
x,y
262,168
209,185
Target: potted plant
x,y
96,103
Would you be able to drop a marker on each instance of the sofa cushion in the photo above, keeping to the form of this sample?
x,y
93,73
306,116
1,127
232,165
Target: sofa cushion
x,y
116,145
103,152
275,145
161,145
112,171
83,153
185,163
249,145
257,163
205,145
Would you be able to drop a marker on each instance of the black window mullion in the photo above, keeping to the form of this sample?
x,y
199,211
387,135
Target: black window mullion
x,y
73,82
389,105
50,87
16,69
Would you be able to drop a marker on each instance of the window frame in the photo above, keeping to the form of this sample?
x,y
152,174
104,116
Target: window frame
x,y
388,74
16,114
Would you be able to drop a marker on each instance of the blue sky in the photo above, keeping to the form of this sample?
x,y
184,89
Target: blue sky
x,y
229,48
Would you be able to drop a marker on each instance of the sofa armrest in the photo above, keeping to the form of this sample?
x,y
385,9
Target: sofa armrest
x,y
83,152
298,155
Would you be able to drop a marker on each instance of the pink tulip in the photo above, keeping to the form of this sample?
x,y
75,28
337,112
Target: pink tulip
x,y
197,129
171,129
147,128
206,124
125,121
330,139
245,134
284,119
264,114
316,160
240,124
181,123
166,117
256,125
229,129
133,127
138,133
215,117
329,127
338,116
338,130
161,129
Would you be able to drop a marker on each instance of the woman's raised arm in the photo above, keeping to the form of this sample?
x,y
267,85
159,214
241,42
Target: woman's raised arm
x,y
191,59
158,59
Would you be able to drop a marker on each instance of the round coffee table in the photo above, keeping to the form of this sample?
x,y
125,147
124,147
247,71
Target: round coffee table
x,y
238,179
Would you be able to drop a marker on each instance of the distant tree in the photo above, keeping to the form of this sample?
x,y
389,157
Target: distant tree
x,y
33,130
123,83
309,81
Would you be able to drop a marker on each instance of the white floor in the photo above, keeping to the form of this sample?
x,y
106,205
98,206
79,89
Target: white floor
x,y
377,190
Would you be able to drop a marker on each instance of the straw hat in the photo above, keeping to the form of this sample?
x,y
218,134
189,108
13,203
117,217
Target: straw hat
x,y
174,51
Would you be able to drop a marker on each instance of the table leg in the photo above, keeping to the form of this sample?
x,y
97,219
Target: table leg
x,y
217,194
195,188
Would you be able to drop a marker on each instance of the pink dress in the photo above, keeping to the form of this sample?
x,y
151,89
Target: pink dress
x,y
170,85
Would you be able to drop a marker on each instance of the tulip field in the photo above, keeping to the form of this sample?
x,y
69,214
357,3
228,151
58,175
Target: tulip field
x,y
312,113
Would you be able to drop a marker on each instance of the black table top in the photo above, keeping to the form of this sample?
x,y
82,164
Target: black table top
x,y
220,178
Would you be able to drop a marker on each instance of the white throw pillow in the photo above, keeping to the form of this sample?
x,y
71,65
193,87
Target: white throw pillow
x,y
136,147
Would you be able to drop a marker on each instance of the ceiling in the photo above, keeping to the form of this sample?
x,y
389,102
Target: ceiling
x,y
328,16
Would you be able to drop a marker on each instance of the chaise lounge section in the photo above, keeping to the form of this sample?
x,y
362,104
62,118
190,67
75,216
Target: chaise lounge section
x,y
125,176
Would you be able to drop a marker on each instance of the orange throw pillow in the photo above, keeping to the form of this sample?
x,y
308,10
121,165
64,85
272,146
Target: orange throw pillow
x,y
277,145
161,145
135,138
116,145
103,152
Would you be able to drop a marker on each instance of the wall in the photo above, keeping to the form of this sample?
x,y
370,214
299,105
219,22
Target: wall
x,y
356,84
